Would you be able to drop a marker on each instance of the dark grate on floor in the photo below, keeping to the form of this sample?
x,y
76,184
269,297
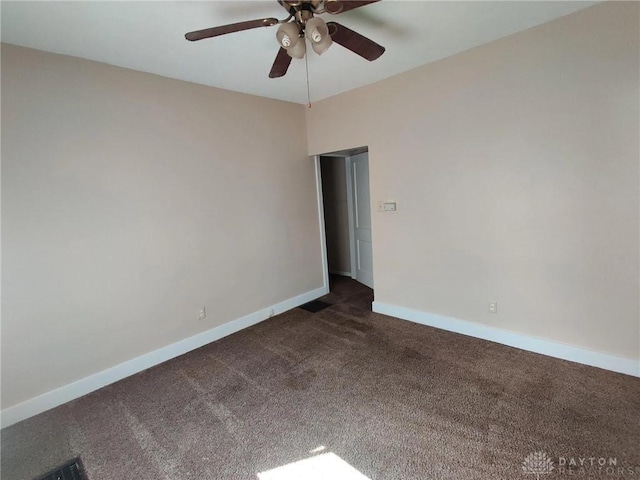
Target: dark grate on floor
x,y
72,470
315,306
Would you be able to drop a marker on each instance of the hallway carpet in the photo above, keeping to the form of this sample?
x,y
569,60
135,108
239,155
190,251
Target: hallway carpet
x,y
345,389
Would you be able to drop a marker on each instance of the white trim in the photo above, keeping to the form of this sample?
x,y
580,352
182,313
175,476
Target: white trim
x,y
323,235
86,385
350,216
614,363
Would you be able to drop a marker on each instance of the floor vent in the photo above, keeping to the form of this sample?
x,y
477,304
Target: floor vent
x,y
72,470
315,306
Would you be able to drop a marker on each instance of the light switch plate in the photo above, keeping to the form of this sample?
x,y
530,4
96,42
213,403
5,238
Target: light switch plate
x,y
387,206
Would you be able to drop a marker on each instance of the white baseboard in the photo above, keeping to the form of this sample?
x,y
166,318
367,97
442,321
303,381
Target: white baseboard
x,y
614,363
81,387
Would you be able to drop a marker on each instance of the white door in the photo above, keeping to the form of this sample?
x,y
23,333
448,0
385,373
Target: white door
x,y
362,219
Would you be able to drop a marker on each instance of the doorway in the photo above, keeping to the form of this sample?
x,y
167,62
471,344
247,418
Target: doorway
x,y
346,205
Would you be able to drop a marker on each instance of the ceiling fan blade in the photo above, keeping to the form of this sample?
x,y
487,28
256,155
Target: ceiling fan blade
x,y
231,28
355,42
281,64
339,6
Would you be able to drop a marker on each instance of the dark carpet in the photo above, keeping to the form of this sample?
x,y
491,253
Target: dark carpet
x,y
346,389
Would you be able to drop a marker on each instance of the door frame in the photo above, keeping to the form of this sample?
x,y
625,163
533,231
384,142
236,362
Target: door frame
x,y
348,165
323,237
346,154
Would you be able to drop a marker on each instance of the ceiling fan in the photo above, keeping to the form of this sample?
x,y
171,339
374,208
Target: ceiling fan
x,y
302,23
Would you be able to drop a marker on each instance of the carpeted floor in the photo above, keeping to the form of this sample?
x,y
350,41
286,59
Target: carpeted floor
x,y
341,387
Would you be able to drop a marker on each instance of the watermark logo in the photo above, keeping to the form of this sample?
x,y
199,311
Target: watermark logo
x,y
537,463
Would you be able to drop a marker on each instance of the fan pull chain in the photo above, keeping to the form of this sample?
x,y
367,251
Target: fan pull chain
x,y
306,61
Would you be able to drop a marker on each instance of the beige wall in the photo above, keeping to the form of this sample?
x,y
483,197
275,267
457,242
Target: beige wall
x,y
336,214
516,168
129,201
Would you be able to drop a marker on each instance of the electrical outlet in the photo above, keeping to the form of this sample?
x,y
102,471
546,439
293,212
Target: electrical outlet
x,y
202,314
493,307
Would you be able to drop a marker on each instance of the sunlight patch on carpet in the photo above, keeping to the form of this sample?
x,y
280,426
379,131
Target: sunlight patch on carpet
x,y
327,466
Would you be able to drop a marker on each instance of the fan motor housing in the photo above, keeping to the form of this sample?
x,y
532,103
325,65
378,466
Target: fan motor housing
x,y
292,6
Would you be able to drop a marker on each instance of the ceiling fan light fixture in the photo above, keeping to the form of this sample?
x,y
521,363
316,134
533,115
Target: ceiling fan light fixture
x,y
288,35
298,50
316,30
322,46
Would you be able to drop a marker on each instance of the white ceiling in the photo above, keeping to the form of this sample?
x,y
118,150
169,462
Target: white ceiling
x,y
149,36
